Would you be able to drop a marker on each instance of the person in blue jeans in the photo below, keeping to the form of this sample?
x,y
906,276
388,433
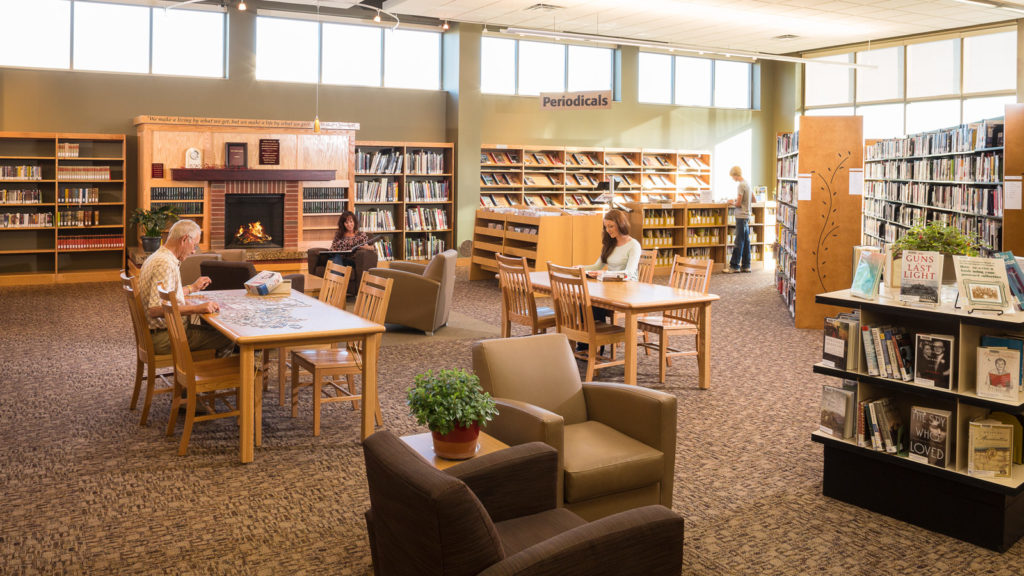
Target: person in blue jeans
x,y
740,261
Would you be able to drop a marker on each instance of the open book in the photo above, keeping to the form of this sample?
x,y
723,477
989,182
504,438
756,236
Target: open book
x,y
326,255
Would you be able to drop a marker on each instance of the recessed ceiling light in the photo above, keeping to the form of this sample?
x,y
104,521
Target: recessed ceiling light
x,y
543,8
786,37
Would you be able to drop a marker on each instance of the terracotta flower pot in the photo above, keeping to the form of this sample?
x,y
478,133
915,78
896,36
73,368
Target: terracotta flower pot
x,y
459,444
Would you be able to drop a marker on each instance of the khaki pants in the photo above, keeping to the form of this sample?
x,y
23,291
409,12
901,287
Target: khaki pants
x,y
200,337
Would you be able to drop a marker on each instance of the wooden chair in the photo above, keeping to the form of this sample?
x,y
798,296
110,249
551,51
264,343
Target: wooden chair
x,y
333,292
648,258
574,317
518,303
205,382
691,274
341,361
145,358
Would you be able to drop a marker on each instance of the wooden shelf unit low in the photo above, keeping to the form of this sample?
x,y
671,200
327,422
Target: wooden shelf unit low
x,y
693,229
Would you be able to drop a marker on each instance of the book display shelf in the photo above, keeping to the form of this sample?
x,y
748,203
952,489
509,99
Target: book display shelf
x,y
567,238
62,207
567,176
406,191
987,511
762,234
691,229
817,213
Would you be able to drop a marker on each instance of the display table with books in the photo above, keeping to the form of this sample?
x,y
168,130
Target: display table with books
x,y
926,427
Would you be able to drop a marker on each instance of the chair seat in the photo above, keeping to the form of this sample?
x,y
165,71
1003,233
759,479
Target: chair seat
x,y
518,534
217,371
667,323
327,358
600,460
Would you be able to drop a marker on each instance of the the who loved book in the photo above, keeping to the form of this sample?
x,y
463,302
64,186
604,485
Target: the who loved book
x,y
929,436
921,277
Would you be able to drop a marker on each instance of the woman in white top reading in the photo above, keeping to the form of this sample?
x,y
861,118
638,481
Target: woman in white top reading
x,y
620,252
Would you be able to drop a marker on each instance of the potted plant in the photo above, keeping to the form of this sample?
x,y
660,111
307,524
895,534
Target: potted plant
x,y
151,224
453,406
933,236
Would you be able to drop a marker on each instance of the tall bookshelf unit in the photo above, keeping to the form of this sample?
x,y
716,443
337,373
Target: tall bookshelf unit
x,y
817,230
762,233
406,191
985,511
567,176
62,207
691,229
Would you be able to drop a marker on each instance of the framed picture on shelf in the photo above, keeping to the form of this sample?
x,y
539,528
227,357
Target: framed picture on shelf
x,y
236,154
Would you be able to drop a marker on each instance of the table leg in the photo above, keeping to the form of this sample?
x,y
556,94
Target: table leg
x,y
245,403
704,346
630,353
369,406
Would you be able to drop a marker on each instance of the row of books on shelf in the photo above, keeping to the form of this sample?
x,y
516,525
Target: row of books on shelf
x,y
83,172
960,139
324,193
26,219
21,172
787,167
730,238
21,196
181,207
921,433
423,247
787,143
541,159
657,238
702,237
382,190
67,149
376,220
426,219
499,158
78,195
90,241
378,162
989,231
983,201
324,207
705,217
659,218
427,190
90,217
385,250
986,167
498,179
176,193
426,162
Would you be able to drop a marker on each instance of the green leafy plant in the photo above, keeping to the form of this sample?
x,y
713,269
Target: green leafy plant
x,y
936,236
152,222
445,399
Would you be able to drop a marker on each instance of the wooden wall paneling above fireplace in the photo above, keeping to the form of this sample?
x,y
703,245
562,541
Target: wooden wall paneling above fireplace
x,y
324,160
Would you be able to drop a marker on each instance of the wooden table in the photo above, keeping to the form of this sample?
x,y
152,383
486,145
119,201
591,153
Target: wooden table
x,y
296,320
423,444
635,299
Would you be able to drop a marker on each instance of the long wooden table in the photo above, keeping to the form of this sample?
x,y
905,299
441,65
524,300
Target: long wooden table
x,y
635,299
295,320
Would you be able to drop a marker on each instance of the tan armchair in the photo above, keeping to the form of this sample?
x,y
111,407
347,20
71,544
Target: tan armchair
x,y
616,443
422,294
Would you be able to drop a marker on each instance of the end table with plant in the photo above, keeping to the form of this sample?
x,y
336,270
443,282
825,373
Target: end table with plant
x,y
453,406
934,236
151,224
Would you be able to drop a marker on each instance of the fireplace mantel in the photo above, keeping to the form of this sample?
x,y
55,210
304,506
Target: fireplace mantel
x,y
241,174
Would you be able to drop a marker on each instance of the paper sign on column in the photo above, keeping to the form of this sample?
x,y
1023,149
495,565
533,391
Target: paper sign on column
x,y
803,187
856,181
1012,193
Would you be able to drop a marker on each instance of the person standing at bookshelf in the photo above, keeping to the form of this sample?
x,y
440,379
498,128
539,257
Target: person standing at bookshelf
x,y
362,258
740,261
164,267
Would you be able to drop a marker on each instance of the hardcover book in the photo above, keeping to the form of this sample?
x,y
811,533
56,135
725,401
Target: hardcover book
x,y
921,277
867,275
982,282
933,360
990,448
929,436
834,343
837,417
998,373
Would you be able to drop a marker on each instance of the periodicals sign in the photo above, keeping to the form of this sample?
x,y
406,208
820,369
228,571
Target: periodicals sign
x,y
599,100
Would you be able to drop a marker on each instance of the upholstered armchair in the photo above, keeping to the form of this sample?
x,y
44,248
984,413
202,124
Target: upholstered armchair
x,y
231,275
422,295
363,261
616,443
497,514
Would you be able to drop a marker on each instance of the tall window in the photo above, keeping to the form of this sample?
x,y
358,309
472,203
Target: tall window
x,y
341,42
497,65
694,86
589,68
732,84
655,84
35,34
188,43
885,81
827,83
111,37
933,68
412,59
689,81
527,68
287,50
541,68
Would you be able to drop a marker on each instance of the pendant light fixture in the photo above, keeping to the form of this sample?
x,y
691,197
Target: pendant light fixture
x,y
316,111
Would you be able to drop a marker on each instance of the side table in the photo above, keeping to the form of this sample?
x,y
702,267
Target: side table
x,y
424,446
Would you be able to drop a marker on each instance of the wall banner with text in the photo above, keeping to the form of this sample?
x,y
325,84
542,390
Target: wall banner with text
x,y
576,100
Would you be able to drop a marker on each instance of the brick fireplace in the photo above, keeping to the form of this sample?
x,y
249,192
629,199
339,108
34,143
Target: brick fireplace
x,y
220,189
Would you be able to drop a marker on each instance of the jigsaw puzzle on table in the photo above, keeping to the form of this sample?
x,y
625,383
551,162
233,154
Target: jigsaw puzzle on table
x,y
260,311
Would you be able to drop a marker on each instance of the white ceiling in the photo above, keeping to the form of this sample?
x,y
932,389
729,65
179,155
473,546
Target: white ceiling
x,y
726,24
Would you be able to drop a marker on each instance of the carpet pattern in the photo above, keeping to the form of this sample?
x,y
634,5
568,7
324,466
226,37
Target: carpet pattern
x,y
85,490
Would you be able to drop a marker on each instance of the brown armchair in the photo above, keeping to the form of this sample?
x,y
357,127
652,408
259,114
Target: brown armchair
x,y
496,514
616,443
422,296
231,275
363,260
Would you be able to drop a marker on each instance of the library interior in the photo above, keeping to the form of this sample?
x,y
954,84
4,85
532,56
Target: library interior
x,y
282,282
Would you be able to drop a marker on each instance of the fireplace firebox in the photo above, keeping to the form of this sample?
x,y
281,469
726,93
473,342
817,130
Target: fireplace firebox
x,y
254,221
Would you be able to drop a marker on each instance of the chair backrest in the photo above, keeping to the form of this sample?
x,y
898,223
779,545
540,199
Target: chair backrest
x,y
227,274
538,369
140,326
442,269
517,296
424,521
647,260
335,286
184,371
190,270
371,302
693,274
573,313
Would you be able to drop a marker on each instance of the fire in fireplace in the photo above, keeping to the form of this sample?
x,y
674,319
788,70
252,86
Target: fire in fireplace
x,y
254,221
252,233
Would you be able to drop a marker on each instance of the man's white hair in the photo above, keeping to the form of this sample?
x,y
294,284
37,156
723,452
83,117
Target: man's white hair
x,y
183,228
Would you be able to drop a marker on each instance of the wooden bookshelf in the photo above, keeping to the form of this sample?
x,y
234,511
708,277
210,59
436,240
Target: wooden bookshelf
x,y
406,191
816,232
692,229
62,207
540,235
762,234
984,511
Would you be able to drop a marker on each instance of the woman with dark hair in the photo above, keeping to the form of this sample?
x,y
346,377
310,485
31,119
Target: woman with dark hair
x,y
361,258
620,252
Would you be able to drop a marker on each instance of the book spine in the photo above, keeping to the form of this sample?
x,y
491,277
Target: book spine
x,y
869,351
862,436
876,436
894,355
900,339
883,359
882,413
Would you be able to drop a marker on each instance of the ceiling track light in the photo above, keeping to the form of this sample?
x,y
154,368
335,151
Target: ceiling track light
x,y
376,17
241,5
445,25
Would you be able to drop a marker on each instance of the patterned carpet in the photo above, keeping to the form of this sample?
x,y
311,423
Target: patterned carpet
x,y
85,490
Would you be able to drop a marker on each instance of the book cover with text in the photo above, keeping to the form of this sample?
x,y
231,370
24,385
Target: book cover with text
x,y
920,277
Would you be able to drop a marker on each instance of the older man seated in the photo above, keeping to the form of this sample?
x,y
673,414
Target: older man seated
x,y
163,267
